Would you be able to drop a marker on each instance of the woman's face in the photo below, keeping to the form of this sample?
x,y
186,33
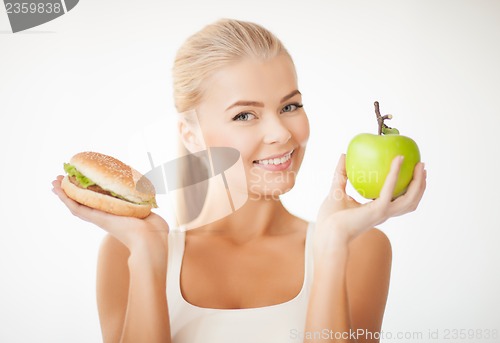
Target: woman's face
x,y
255,107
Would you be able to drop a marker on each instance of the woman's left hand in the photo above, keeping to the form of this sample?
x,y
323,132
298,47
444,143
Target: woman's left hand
x,y
341,218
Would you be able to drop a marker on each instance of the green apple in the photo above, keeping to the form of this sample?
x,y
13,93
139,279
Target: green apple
x,y
369,158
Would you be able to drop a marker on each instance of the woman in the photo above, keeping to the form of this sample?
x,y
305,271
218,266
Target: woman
x,y
259,273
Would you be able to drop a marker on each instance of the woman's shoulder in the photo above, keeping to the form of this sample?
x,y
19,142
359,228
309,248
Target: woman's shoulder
x,y
371,244
112,256
110,246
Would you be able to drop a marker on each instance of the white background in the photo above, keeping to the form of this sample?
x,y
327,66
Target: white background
x,y
99,79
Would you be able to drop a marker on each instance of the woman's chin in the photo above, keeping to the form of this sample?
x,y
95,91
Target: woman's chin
x,y
269,191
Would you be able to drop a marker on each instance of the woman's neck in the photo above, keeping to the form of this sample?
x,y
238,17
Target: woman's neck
x,y
255,218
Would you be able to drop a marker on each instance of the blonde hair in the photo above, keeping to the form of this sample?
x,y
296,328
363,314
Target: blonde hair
x,y
214,47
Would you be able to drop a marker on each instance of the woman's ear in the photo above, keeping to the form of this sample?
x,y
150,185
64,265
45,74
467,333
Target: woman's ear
x,y
189,136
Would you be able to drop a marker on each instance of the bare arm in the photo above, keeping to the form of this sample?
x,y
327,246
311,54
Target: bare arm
x,y
328,312
146,319
353,286
368,277
345,295
112,287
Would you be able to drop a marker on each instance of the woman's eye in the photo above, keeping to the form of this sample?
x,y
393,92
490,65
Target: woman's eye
x,y
245,116
291,107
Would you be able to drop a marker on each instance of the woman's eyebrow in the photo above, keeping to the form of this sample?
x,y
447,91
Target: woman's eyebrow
x,y
291,95
260,104
245,103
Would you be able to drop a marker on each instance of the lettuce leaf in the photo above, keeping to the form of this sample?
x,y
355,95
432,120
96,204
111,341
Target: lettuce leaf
x,y
82,179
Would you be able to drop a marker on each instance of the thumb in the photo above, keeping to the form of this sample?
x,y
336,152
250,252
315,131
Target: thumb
x,y
339,181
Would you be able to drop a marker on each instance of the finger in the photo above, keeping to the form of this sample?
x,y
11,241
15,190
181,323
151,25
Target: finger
x,y
410,200
56,184
83,212
339,181
74,207
418,184
390,180
57,180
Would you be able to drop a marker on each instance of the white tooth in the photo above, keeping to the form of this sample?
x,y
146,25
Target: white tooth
x,y
274,161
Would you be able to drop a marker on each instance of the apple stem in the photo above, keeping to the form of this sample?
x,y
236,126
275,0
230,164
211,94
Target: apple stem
x,y
380,119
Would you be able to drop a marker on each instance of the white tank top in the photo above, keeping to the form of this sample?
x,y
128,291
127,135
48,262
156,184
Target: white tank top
x,y
281,323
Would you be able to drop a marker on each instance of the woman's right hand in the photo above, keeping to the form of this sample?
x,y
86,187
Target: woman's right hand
x,y
148,235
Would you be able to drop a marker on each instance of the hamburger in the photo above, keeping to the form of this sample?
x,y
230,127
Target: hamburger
x,y
107,184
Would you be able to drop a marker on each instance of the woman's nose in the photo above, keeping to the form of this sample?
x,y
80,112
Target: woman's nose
x,y
276,131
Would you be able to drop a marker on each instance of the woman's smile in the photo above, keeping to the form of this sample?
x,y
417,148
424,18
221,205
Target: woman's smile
x,y
279,162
